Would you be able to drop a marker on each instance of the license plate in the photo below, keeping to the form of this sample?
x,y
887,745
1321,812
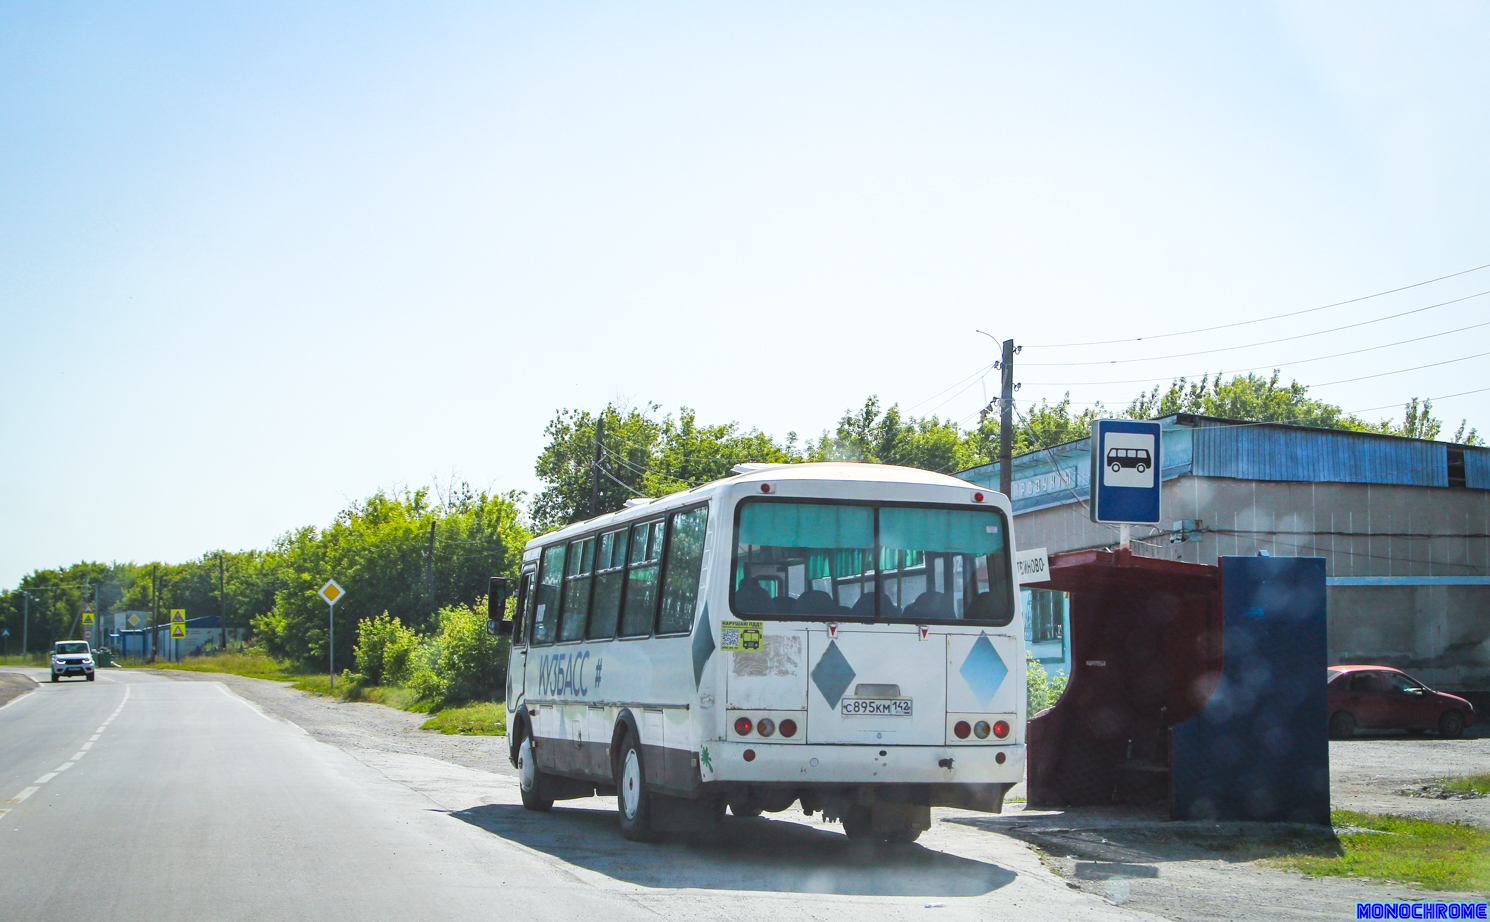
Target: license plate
x,y
875,707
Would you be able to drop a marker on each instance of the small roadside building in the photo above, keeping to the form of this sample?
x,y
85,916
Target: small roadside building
x,y
1402,524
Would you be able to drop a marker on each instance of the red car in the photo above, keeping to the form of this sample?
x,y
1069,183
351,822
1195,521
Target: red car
x,y
1383,698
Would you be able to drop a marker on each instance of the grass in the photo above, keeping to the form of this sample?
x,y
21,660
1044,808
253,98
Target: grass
x,y
1436,856
1471,784
253,665
480,719
30,659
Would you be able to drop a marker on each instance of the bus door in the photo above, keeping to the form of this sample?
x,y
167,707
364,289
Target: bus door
x,y
517,664
877,685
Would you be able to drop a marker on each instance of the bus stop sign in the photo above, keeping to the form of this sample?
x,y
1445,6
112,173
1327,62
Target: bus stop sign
x,y
1125,472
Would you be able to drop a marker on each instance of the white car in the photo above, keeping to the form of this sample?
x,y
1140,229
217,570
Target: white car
x,y
72,657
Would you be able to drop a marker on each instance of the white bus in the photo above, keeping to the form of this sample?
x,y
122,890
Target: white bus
x,y
839,635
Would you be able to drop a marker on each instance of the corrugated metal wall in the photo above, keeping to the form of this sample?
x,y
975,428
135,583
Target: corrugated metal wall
x,y
1279,453
1477,468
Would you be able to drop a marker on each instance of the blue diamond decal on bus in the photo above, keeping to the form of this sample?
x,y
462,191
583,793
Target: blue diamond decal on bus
x,y
703,646
832,674
984,669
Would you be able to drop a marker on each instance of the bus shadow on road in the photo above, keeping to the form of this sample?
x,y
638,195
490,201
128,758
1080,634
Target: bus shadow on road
x,y
742,854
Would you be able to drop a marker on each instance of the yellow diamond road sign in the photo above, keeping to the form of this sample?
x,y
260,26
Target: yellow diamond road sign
x,y
331,592
178,616
178,630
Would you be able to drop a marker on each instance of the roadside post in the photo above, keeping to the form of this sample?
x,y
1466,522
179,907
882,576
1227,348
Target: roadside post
x,y
178,632
88,621
332,593
1125,474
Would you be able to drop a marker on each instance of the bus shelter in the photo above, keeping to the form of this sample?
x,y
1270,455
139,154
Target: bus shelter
x,y
1201,688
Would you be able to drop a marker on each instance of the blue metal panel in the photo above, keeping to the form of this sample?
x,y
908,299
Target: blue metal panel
x,y
1060,475
1258,750
1310,455
1477,468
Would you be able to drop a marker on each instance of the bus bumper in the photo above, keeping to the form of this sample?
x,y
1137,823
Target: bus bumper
x,y
804,764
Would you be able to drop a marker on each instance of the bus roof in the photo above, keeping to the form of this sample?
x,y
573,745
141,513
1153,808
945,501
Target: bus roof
x,y
759,473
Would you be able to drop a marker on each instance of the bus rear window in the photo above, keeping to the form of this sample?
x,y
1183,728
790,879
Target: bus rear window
x,y
912,563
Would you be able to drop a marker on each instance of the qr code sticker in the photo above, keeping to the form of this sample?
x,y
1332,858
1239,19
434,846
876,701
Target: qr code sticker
x,y
730,638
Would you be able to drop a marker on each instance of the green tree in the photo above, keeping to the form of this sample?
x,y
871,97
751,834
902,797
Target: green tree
x,y
641,456
379,551
1249,397
886,436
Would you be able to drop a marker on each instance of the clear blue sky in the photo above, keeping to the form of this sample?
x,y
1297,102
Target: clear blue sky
x,y
258,260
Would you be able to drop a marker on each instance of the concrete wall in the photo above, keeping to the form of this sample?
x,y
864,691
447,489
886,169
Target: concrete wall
x,y
1440,633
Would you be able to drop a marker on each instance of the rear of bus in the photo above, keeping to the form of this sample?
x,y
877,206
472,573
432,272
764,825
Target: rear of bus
x,y
870,662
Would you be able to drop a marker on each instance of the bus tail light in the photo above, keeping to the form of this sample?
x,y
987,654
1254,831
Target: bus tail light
x,y
766,726
788,728
980,729
962,729
743,726
1000,728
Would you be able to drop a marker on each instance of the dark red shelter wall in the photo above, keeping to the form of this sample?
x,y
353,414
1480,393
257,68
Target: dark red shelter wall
x,y
1146,642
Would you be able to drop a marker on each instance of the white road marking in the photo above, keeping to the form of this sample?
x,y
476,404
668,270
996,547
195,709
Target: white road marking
x,y
25,793
94,737
86,746
78,755
45,778
65,767
248,704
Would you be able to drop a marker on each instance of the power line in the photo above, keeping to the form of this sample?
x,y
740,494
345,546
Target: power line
x,y
1239,370
1241,323
1348,326
1401,370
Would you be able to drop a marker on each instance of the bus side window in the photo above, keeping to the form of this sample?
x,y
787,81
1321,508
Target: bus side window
x,y
577,589
546,607
610,577
641,579
685,554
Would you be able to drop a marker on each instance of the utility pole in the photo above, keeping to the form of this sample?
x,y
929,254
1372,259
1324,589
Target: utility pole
x,y
595,467
25,621
1006,418
154,609
1005,403
429,568
222,604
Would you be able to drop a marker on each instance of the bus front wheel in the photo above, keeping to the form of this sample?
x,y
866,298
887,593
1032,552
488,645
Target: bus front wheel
x,y
633,801
530,779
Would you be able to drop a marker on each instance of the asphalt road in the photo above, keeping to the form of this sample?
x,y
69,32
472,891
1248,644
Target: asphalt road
x,y
137,797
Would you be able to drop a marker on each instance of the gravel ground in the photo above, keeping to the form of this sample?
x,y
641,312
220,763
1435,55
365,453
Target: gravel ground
x,y
1187,872
13,686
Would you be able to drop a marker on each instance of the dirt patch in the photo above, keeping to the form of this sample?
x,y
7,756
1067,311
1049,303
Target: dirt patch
x,y
13,685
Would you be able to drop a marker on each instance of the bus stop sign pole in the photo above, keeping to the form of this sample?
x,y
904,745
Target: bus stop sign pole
x,y
332,593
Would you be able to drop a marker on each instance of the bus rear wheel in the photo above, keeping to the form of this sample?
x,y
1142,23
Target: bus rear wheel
x,y
633,800
529,778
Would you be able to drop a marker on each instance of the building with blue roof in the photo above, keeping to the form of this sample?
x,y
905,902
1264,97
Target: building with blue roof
x,y
1403,525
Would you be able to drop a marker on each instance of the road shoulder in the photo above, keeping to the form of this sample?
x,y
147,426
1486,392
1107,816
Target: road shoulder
x,y
13,685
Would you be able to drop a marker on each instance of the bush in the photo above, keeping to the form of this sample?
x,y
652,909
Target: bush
x,y
1043,689
385,650
462,662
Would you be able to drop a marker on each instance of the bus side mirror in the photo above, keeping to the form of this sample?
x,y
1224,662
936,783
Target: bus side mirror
x,y
496,605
